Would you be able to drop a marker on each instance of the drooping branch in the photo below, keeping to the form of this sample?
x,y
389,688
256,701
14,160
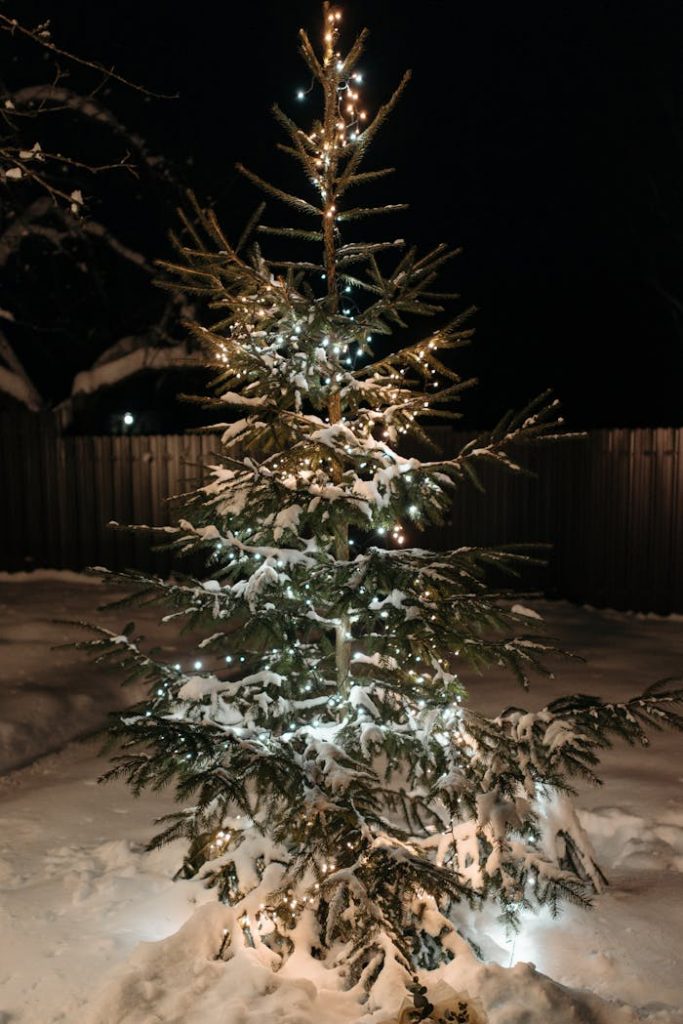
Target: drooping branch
x,y
14,380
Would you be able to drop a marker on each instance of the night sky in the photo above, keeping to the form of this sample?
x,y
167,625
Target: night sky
x,y
546,140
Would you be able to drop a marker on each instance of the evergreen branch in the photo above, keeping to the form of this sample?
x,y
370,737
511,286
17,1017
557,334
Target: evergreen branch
x,y
253,224
297,203
366,138
308,53
307,236
370,211
366,177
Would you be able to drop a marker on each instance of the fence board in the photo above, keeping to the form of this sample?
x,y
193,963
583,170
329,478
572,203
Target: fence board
x,y
611,505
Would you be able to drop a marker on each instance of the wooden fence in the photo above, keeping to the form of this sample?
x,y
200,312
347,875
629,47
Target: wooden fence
x,y
610,505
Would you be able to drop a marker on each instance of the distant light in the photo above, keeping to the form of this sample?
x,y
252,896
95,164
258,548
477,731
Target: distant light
x,y
128,419
197,665
301,95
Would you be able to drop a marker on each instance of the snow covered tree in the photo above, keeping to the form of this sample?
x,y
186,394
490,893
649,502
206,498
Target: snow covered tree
x,y
89,251
336,789
58,135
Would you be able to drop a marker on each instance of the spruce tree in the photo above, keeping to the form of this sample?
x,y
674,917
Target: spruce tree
x,y
335,787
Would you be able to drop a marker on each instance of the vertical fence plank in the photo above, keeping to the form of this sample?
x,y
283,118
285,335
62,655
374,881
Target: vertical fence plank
x,y
676,553
49,485
139,503
663,530
104,509
11,491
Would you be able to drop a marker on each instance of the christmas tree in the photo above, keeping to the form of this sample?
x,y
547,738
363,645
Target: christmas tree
x,y
336,790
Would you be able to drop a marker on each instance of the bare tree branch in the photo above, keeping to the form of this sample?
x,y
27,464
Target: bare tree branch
x,y
41,36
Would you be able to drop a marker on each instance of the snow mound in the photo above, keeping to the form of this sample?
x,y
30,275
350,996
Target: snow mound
x,y
80,900
629,841
180,980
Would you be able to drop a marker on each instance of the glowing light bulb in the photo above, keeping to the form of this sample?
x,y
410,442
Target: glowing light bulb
x,y
301,94
197,665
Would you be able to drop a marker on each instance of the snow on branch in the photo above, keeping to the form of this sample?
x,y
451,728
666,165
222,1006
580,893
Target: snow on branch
x,y
146,357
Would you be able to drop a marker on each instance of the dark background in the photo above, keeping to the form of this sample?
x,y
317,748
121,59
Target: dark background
x,y
544,139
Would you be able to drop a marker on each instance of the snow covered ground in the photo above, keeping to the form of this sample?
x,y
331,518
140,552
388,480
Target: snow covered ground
x,y
94,931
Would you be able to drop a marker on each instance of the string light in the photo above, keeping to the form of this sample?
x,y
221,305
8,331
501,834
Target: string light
x,y
345,124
